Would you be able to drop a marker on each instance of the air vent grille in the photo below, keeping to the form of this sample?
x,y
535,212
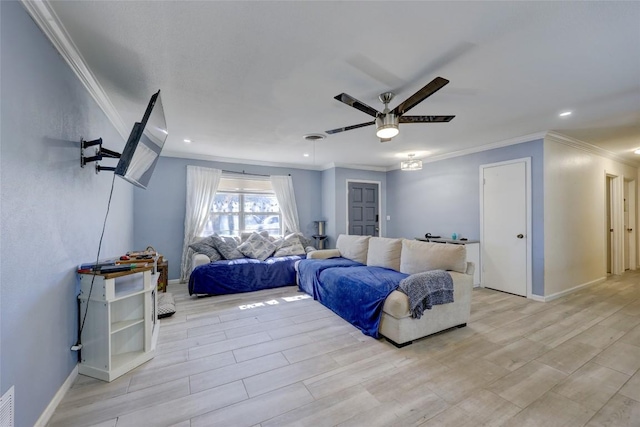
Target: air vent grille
x,y
314,137
7,409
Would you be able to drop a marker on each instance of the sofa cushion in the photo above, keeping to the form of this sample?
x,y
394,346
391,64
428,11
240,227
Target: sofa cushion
x,y
289,245
420,256
353,247
227,246
257,247
324,254
207,247
384,252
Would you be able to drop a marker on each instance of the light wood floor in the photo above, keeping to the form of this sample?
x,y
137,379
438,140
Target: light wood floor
x,y
221,362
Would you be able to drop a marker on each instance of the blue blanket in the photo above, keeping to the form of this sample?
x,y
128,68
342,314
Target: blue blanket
x,y
243,275
309,271
357,294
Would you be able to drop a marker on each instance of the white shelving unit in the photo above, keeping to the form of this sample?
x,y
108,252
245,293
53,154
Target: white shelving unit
x,y
121,326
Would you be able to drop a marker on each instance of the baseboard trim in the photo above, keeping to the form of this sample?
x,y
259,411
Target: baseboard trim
x,y
174,282
45,417
557,295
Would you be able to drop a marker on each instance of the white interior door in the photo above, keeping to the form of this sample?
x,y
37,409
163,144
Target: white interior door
x,y
504,227
632,225
625,231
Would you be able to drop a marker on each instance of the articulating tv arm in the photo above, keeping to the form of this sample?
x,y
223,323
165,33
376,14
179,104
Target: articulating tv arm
x,y
99,155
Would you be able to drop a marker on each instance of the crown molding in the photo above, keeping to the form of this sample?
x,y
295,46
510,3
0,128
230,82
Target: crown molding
x,y
45,17
358,167
208,158
471,150
589,148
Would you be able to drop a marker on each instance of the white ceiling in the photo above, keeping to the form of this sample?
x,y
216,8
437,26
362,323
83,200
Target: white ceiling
x,y
246,80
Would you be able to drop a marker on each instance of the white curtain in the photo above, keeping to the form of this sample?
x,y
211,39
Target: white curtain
x,y
202,184
283,187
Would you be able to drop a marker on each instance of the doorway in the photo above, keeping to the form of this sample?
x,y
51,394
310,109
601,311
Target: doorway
x,y
615,229
609,224
505,226
363,208
630,225
620,218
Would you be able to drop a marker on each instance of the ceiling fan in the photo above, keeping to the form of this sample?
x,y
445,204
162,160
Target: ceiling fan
x,y
387,121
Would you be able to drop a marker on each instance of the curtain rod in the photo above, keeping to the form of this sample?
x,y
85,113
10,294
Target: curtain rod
x,y
248,173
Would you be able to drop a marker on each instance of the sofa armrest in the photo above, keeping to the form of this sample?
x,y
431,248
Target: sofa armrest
x,y
471,268
199,259
323,254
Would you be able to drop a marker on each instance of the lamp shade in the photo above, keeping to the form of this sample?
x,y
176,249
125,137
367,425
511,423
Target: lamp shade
x,y
387,126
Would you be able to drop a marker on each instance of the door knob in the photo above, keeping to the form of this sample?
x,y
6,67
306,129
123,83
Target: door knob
x,y
520,236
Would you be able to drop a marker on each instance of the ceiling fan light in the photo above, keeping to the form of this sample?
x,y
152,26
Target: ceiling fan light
x,y
387,131
387,126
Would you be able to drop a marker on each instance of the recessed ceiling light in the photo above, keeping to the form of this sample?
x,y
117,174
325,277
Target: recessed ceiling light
x,y
565,114
306,154
187,141
637,151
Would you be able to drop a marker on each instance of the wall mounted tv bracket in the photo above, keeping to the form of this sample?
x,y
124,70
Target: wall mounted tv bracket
x,y
101,152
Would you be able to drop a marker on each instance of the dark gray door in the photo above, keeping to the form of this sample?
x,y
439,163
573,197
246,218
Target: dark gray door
x,y
363,209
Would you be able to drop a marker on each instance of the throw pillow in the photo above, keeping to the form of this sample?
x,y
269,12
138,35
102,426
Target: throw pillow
x,y
257,247
207,247
384,252
353,247
419,256
290,245
306,241
245,235
228,247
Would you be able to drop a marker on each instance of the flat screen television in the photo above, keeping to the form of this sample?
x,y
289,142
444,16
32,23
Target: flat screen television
x,y
140,154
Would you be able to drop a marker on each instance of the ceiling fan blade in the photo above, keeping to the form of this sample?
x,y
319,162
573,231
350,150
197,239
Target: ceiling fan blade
x,y
361,125
425,119
352,102
432,87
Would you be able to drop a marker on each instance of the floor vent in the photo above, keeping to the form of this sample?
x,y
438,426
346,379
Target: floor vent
x,y
6,409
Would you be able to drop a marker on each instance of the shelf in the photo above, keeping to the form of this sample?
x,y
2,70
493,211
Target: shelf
x,y
120,360
119,273
120,326
128,290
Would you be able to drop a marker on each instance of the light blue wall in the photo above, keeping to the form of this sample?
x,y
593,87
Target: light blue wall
x,y
444,197
52,210
334,198
329,206
160,209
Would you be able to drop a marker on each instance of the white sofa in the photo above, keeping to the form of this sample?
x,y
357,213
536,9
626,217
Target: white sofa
x,y
410,257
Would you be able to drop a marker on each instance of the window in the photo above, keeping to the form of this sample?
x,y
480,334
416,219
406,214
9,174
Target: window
x,y
243,204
